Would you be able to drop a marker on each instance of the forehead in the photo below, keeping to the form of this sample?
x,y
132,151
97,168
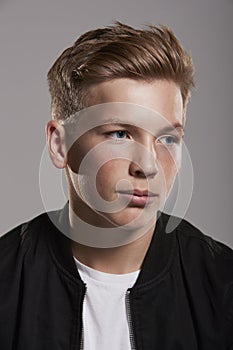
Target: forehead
x,y
162,96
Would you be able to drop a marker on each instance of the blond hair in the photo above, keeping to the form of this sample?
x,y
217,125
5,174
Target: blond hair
x,y
117,51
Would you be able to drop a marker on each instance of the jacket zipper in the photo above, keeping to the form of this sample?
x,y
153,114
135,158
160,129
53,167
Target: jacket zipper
x,y
81,340
82,329
129,318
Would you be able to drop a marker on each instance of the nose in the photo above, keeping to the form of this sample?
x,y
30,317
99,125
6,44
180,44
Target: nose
x,y
144,163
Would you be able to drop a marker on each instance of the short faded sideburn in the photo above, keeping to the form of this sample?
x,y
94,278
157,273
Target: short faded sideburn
x,y
117,51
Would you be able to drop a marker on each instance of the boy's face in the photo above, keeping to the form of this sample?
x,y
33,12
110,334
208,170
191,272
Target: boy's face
x,y
146,161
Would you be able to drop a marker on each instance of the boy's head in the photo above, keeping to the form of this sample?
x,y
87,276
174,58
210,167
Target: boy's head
x,y
141,78
117,51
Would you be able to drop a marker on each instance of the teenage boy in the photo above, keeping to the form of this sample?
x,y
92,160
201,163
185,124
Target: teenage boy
x,y
102,273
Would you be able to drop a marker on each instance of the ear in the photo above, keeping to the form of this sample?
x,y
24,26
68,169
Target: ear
x,y
55,134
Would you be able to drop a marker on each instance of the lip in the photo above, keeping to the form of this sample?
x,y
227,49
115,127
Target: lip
x,y
139,197
139,193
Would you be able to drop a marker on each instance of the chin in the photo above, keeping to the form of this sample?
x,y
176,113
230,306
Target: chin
x,y
134,217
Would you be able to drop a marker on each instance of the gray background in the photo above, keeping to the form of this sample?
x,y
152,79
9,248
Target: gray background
x,y
33,33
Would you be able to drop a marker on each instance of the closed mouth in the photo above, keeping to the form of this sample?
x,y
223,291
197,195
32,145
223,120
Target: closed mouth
x,y
139,193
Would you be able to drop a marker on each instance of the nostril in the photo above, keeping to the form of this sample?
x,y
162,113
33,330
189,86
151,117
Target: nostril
x,y
140,173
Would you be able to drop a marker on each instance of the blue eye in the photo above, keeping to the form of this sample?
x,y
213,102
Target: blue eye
x,y
118,134
168,140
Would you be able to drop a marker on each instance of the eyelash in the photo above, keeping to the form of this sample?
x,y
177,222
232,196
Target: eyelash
x,y
175,139
114,132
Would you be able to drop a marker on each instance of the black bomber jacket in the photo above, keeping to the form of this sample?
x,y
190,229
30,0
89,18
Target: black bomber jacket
x,y
182,299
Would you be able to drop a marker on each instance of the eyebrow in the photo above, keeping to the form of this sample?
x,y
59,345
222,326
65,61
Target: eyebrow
x,y
172,127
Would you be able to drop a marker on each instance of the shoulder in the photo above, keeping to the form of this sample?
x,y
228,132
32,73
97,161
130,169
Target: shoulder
x,y
204,258
191,238
201,255
204,261
194,239
21,232
20,240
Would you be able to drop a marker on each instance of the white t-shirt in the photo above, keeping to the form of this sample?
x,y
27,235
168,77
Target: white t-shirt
x,y
104,310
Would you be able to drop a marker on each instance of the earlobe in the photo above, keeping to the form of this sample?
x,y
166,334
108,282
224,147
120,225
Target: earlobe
x,y
55,134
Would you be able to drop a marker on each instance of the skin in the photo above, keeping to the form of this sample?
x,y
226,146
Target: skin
x,y
158,172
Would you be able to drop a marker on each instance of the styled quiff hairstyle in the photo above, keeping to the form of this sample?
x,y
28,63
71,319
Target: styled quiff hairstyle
x,y
117,51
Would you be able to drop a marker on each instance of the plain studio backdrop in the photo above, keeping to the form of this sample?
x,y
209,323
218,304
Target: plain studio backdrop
x,y
33,34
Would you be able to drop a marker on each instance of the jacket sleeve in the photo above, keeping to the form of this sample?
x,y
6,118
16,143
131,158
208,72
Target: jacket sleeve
x,y
10,275
229,317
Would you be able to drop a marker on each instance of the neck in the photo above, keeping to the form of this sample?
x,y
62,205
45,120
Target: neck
x,y
116,260
112,250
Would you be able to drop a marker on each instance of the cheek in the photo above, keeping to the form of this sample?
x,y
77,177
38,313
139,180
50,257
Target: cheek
x,y
75,156
78,151
168,163
110,174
